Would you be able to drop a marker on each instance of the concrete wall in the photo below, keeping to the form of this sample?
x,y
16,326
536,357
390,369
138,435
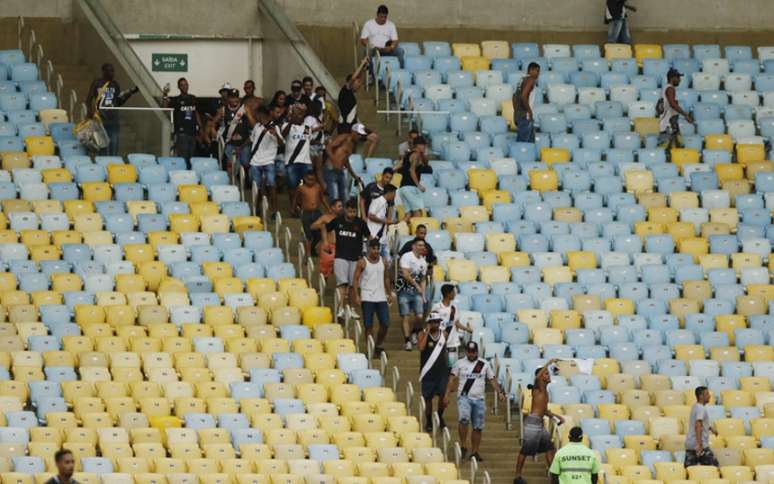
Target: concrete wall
x,y
211,62
740,15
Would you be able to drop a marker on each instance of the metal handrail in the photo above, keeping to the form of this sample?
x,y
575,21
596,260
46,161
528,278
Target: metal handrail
x,y
254,201
288,238
354,47
409,398
19,30
473,470
445,440
457,457
421,404
383,363
487,478
301,258
59,87
387,84
358,333
395,378
73,102
242,179
31,44
277,227
321,291
39,57
370,345
83,112
49,73
309,273
436,424
375,66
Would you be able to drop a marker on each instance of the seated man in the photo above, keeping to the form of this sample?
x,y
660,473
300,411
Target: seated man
x,y
382,35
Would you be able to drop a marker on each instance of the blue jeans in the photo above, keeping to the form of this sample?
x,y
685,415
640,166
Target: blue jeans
x,y
113,130
525,130
242,153
296,173
337,183
410,302
263,175
618,32
471,411
380,309
398,52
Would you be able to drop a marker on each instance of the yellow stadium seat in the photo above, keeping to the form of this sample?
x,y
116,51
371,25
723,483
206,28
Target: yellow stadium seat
x,y
495,196
762,353
729,171
684,156
461,270
581,260
121,173
736,473
721,142
750,153
474,63
460,49
192,193
495,49
13,160
669,471
39,145
543,180
647,51
638,181
482,180
619,306
474,214
554,155
646,126
618,51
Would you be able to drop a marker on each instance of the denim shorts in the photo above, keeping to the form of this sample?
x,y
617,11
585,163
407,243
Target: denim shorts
x,y
409,302
380,309
411,198
296,172
471,411
264,175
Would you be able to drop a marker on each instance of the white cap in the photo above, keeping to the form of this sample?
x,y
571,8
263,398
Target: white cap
x,y
225,86
360,129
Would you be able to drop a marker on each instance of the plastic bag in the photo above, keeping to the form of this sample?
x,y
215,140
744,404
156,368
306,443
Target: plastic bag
x,y
92,134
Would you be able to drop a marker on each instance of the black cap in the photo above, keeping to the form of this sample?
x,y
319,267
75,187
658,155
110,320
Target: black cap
x,y
576,434
471,346
674,73
420,140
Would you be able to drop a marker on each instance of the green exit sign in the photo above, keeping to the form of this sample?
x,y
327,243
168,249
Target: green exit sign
x,y
169,62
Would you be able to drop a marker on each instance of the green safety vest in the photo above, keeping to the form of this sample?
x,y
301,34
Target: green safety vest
x,y
574,464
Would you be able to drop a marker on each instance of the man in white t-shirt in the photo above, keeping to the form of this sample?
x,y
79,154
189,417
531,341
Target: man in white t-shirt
x,y
450,323
411,286
382,35
264,141
380,218
470,375
298,158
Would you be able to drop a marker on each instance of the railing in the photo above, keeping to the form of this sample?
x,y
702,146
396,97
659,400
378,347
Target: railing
x,y
473,470
409,398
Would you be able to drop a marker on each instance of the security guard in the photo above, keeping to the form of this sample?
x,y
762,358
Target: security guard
x,y
575,463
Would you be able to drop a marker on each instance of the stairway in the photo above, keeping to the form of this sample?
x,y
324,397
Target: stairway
x,y
499,446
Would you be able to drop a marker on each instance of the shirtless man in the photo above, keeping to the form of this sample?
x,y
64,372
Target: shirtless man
x,y
335,209
535,438
337,153
309,199
251,101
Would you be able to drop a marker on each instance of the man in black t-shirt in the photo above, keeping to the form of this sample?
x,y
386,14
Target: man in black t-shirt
x,y
434,368
347,99
186,118
374,190
65,467
350,232
106,93
297,95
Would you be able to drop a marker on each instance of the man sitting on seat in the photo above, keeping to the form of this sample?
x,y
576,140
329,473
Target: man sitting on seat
x,y
382,35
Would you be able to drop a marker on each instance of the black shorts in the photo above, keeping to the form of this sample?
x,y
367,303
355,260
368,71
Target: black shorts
x,y
707,458
434,386
307,219
345,128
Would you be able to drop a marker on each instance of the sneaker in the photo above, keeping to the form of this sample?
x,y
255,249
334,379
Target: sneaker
x,y
407,346
477,456
352,313
519,480
340,314
378,351
413,338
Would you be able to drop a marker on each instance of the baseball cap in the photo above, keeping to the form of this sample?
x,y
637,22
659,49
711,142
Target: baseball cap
x,y
471,346
225,87
434,316
360,129
420,140
576,434
672,72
